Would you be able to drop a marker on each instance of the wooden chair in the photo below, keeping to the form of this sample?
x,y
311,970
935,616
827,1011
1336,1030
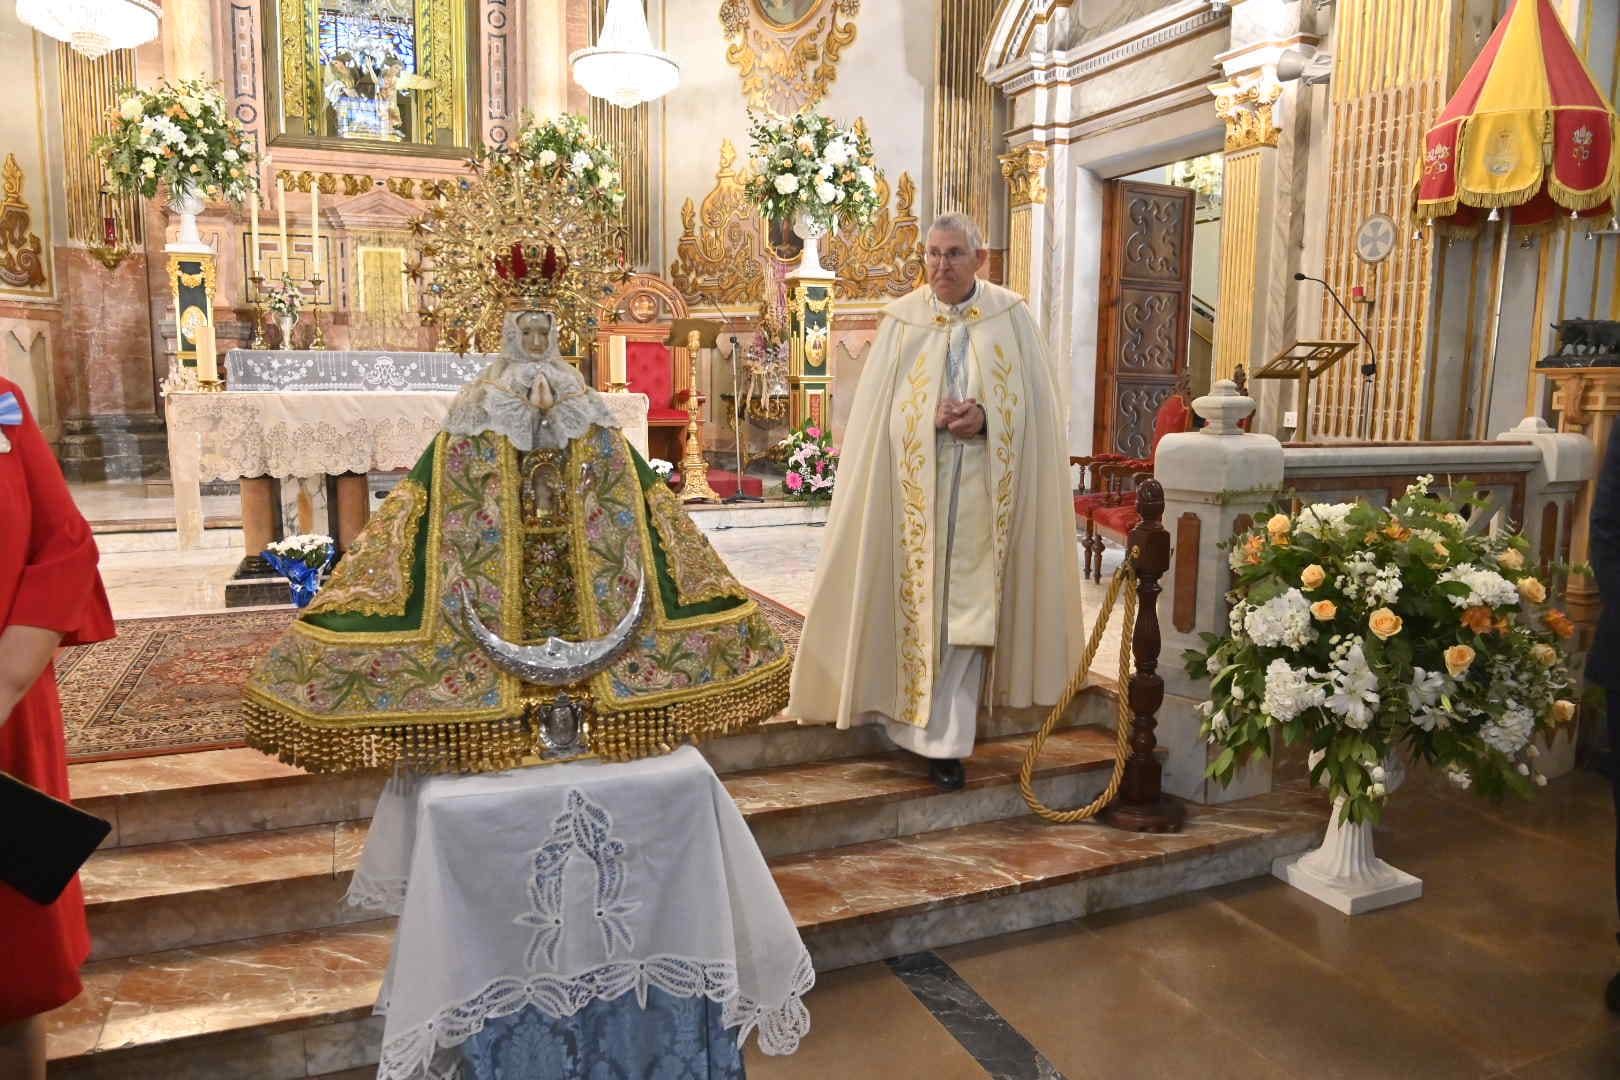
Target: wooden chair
x,y
642,310
1106,493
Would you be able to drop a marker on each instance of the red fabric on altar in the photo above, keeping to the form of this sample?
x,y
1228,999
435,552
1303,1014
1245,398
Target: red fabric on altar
x,y
48,579
725,483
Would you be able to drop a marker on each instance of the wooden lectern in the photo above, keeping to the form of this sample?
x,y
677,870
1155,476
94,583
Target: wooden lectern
x,y
1304,362
693,335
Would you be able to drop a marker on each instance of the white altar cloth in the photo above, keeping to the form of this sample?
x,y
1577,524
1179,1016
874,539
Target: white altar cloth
x,y
306,433
561,885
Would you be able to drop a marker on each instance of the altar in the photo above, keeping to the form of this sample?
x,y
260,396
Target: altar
x,y
306,418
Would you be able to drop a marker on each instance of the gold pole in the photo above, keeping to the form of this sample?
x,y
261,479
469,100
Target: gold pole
x,y
694,468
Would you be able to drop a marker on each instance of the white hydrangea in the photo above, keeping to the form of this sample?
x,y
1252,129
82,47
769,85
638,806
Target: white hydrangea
x,y
1365,581
786,184
1355,687
1235,617
580,162
1290,691
131,108
1283,620
1324,520
1511,731
826,192
1460,777
1485,587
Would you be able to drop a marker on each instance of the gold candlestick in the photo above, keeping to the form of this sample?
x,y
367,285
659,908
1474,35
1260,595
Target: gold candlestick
x,y
255,299
694,469
317,340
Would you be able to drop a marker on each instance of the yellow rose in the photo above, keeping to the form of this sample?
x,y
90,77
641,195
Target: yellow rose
x,y
1385,623
1279,525
1459,658
1312,576
1563,711
1441,551
1545,655
1533,590
1512,559
1324,610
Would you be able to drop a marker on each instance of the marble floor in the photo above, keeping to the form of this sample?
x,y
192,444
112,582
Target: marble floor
x,y
1498,971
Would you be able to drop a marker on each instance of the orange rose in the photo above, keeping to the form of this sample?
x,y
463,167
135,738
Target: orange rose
x,y
1532,590
1252,546
1396,531
1545,655
1312,576
1477,619
1324,610
1563,711
1559,623
1459,658
1504,625
1511,558
1279,525
1385,623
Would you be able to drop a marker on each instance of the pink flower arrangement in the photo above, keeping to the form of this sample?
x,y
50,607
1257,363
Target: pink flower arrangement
x,y
812,463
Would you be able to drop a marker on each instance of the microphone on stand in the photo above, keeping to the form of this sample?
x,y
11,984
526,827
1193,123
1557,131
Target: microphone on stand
x,y
1368,370
739,495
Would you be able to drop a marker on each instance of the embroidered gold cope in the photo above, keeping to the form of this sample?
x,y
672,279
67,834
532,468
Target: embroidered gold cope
x,y
873,636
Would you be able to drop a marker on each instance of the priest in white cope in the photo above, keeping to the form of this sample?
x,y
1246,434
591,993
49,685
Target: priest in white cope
x,y
949,578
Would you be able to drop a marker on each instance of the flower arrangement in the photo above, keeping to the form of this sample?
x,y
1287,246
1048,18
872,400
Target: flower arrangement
x,y
806,163
1359,629
812,463
565,149
181,135
286,298
662,468
302,559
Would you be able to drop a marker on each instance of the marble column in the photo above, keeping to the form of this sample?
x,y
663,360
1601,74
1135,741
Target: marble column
x,y
188,39
1024,169
1249,201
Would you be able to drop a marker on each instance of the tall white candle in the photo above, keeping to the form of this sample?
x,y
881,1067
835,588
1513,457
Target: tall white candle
x,y
255,239
207,361
315,228
281,219
616,360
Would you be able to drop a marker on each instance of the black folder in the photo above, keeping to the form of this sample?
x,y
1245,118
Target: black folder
x,y
43,841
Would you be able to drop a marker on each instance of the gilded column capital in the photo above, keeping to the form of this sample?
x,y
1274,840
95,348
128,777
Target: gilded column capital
x,y
1248,106
1024,169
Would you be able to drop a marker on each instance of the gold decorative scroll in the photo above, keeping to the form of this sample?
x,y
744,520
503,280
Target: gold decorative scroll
x,y
1024,169
787,59
1247,109
21,264
724,244
964,119
89,89
406,187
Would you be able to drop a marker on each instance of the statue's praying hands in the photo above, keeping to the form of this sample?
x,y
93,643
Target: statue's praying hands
x,y
963,419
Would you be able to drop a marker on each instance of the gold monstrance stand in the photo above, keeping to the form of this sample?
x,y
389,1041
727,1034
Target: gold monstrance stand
x,y
1304,362
696,334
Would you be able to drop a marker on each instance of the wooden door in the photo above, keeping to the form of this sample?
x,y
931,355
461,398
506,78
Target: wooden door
x,y
1146,304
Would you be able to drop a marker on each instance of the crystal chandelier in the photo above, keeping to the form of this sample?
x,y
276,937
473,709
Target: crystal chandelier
x,y
93,27
623,67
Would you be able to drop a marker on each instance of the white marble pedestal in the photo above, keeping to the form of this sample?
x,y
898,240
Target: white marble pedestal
x,y
1345,874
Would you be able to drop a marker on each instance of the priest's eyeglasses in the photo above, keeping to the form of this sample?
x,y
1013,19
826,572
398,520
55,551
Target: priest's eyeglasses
x,y
954,255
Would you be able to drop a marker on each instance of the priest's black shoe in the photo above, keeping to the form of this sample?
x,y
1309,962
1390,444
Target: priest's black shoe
x,y
946,773
1612,995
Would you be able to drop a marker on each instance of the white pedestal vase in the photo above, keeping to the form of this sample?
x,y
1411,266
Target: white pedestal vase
x,y
188,203
811,232
1344,873
286,322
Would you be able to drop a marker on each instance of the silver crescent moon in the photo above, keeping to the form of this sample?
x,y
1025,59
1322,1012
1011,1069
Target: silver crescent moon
x,y
554,662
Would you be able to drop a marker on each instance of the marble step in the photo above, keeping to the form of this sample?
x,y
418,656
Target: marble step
x,y
298,1004
217,792
186,893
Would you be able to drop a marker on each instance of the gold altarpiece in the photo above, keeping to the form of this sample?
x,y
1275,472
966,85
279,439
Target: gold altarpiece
x,y
786,51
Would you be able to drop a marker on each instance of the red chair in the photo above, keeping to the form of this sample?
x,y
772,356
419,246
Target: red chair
x,y
1106,497
642,311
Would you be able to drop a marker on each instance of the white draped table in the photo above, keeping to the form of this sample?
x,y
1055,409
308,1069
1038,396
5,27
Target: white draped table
x,y
312,433
567,887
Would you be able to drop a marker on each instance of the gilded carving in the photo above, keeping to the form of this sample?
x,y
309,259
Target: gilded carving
x,y
1024,169
21,264
421,189
208,278
1248,112
787,64
724,244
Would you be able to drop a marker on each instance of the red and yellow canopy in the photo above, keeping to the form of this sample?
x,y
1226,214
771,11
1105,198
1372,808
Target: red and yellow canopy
x,y
1528,128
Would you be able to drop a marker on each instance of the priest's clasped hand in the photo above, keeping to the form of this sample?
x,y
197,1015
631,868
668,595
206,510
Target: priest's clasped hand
x,y
964,419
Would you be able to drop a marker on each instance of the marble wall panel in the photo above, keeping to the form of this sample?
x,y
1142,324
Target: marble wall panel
x,y
105,362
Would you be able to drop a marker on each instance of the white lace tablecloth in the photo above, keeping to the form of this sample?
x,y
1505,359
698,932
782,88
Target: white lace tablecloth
x,y
560,885
304,433
320,369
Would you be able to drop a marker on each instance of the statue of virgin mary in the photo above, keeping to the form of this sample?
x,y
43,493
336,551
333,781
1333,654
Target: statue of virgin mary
x,y
531,588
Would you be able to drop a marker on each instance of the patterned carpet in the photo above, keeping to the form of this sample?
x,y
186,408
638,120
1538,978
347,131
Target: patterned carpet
x,y
171,685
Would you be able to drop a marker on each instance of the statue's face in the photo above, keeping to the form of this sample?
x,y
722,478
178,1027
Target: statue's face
x,y
534,331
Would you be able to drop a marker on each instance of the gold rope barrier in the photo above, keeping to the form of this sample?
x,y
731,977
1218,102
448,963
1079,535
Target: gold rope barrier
x,y
1124,578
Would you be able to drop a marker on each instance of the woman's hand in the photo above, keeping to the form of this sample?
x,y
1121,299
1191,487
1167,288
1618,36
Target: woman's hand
x,y
25,652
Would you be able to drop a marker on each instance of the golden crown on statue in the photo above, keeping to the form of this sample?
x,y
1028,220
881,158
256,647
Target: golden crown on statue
x,y
513,235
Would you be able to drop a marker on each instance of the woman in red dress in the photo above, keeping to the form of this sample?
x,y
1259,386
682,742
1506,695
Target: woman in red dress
x,y
50,595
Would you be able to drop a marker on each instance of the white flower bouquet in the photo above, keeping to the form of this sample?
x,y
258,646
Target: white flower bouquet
x,y
806,163
1360,630
285,298
180,135
565,149
663,469
311,549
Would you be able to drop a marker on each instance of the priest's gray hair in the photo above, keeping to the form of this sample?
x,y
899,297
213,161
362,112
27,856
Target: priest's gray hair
x,y
954,222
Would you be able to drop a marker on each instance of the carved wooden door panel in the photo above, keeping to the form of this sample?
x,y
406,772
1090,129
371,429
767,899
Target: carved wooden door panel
x,y
1146,304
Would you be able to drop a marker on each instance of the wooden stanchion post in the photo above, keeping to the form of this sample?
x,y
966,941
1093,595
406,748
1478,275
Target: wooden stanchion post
x,y
1142,805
